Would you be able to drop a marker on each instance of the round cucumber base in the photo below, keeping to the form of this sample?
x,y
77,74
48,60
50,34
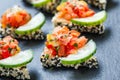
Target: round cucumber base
x,y
83,54
40,3
96,19
34,24
18,60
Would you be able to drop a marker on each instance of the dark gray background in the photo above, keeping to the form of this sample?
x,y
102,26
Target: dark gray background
x,y
108,48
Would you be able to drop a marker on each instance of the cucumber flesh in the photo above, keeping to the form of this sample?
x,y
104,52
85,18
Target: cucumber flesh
x,y
39,3
83,54
20,59
34,24
96,19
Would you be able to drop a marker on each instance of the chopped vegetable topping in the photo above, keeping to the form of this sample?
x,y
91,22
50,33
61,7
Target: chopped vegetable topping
x,y
63,42
74,9
8,47
15,17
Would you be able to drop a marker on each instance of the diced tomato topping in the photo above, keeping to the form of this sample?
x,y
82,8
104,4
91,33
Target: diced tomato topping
x,y
69,47
10,39
54,53
5,54
81,41
72,51
74,33
64,42
75,9
67,16
15,17
83,3
7,39
7,45
53,49
12,45
64,30
61,51
2,42
49,46
90,13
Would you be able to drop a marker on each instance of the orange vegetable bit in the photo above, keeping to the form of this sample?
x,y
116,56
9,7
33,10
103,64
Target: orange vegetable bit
x,y
74,33
9,38
9,47
67,17
62,30
12,45
15,17
89,13
67,42
72,51
75,9
82,41
61,51
83,3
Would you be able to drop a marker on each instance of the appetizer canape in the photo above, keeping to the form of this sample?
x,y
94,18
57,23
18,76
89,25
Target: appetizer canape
x,y
13,61
98,3
45,5
64,48
50,5
77,15
18,23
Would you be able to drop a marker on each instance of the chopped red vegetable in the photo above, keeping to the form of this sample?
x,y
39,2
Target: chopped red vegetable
x,y
15,17
75,9
8,47
63,42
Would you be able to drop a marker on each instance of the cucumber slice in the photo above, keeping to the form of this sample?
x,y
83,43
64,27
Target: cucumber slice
x,y
34,24
63,1
40,3
96,19
83,54
18,60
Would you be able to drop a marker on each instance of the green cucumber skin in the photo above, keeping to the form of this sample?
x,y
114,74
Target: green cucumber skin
x,y
62,1
29,31
89,24
78,61
18,65
14,66
41,3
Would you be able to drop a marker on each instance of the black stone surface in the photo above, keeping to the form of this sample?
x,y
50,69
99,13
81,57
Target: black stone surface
x,y
108,48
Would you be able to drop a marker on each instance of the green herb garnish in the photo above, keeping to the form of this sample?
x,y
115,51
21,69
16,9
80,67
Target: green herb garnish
x,y
9,49
51,40
47,56
76,45
57,48
12,40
